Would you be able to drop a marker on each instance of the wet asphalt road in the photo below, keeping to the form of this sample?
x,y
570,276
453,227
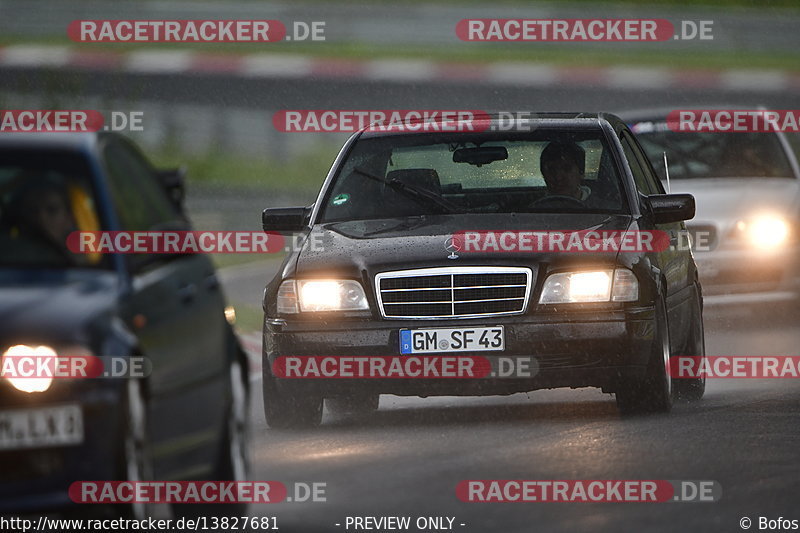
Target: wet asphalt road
x,y
406,459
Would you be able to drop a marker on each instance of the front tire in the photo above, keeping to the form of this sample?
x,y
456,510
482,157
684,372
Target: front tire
x,y
288,407
233,463
355,406
653,393
692,389
234,459
134,453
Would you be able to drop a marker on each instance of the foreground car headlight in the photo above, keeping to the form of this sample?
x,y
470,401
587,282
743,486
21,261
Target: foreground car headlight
x,y
612,285
765,232
321,295
30,384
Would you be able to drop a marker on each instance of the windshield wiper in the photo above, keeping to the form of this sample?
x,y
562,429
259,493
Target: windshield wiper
x,y
421,196
408,224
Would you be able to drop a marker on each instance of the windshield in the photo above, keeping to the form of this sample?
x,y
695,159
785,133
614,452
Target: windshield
x,y
44,196
712,155
548,171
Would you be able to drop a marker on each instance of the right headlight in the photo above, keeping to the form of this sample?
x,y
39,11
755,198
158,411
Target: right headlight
x,y
32,368
317,295
33,356
611,285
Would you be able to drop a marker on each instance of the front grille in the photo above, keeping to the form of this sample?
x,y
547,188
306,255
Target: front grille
x,y
453,292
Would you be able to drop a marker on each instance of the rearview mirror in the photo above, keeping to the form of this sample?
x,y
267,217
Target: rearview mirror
x,y
480,155
671,207
285,219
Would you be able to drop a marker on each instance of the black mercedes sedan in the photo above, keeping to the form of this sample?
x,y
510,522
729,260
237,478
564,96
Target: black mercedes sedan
x,y
431,255
183,418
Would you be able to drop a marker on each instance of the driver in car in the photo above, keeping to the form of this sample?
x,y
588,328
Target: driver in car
x,y
563,165
40,214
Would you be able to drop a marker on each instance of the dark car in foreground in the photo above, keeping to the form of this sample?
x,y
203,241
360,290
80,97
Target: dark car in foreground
x,y
186,419
747,186
381,272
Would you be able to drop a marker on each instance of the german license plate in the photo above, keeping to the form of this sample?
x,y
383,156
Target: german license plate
x,y
452,340
41,427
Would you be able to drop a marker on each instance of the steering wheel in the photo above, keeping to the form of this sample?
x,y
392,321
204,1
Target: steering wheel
x,y
558,200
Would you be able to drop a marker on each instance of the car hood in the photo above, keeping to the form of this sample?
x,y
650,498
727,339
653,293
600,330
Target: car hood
x,y
722,201
354,249
53,307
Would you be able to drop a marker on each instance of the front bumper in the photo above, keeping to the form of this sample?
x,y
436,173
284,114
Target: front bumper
x,y
593,347
38,479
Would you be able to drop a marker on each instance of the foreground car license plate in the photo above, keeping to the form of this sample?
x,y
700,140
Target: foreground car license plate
x,y
41,427
452,340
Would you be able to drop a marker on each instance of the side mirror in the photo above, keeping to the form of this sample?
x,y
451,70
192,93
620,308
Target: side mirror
x,y
285,219
174,182
671,207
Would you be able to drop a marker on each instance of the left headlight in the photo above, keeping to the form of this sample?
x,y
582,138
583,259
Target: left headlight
x,y
617,285
321,295
765,232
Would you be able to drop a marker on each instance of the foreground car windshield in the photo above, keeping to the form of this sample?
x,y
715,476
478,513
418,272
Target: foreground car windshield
x,y
713,155
43,198
411,175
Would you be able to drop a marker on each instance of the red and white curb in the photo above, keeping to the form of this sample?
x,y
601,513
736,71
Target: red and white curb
x,y
272,66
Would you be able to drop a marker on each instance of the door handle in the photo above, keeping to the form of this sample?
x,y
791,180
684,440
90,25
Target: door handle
x,y
187,292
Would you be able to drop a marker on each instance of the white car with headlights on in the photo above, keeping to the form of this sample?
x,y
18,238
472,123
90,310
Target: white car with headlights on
x,y
747,188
